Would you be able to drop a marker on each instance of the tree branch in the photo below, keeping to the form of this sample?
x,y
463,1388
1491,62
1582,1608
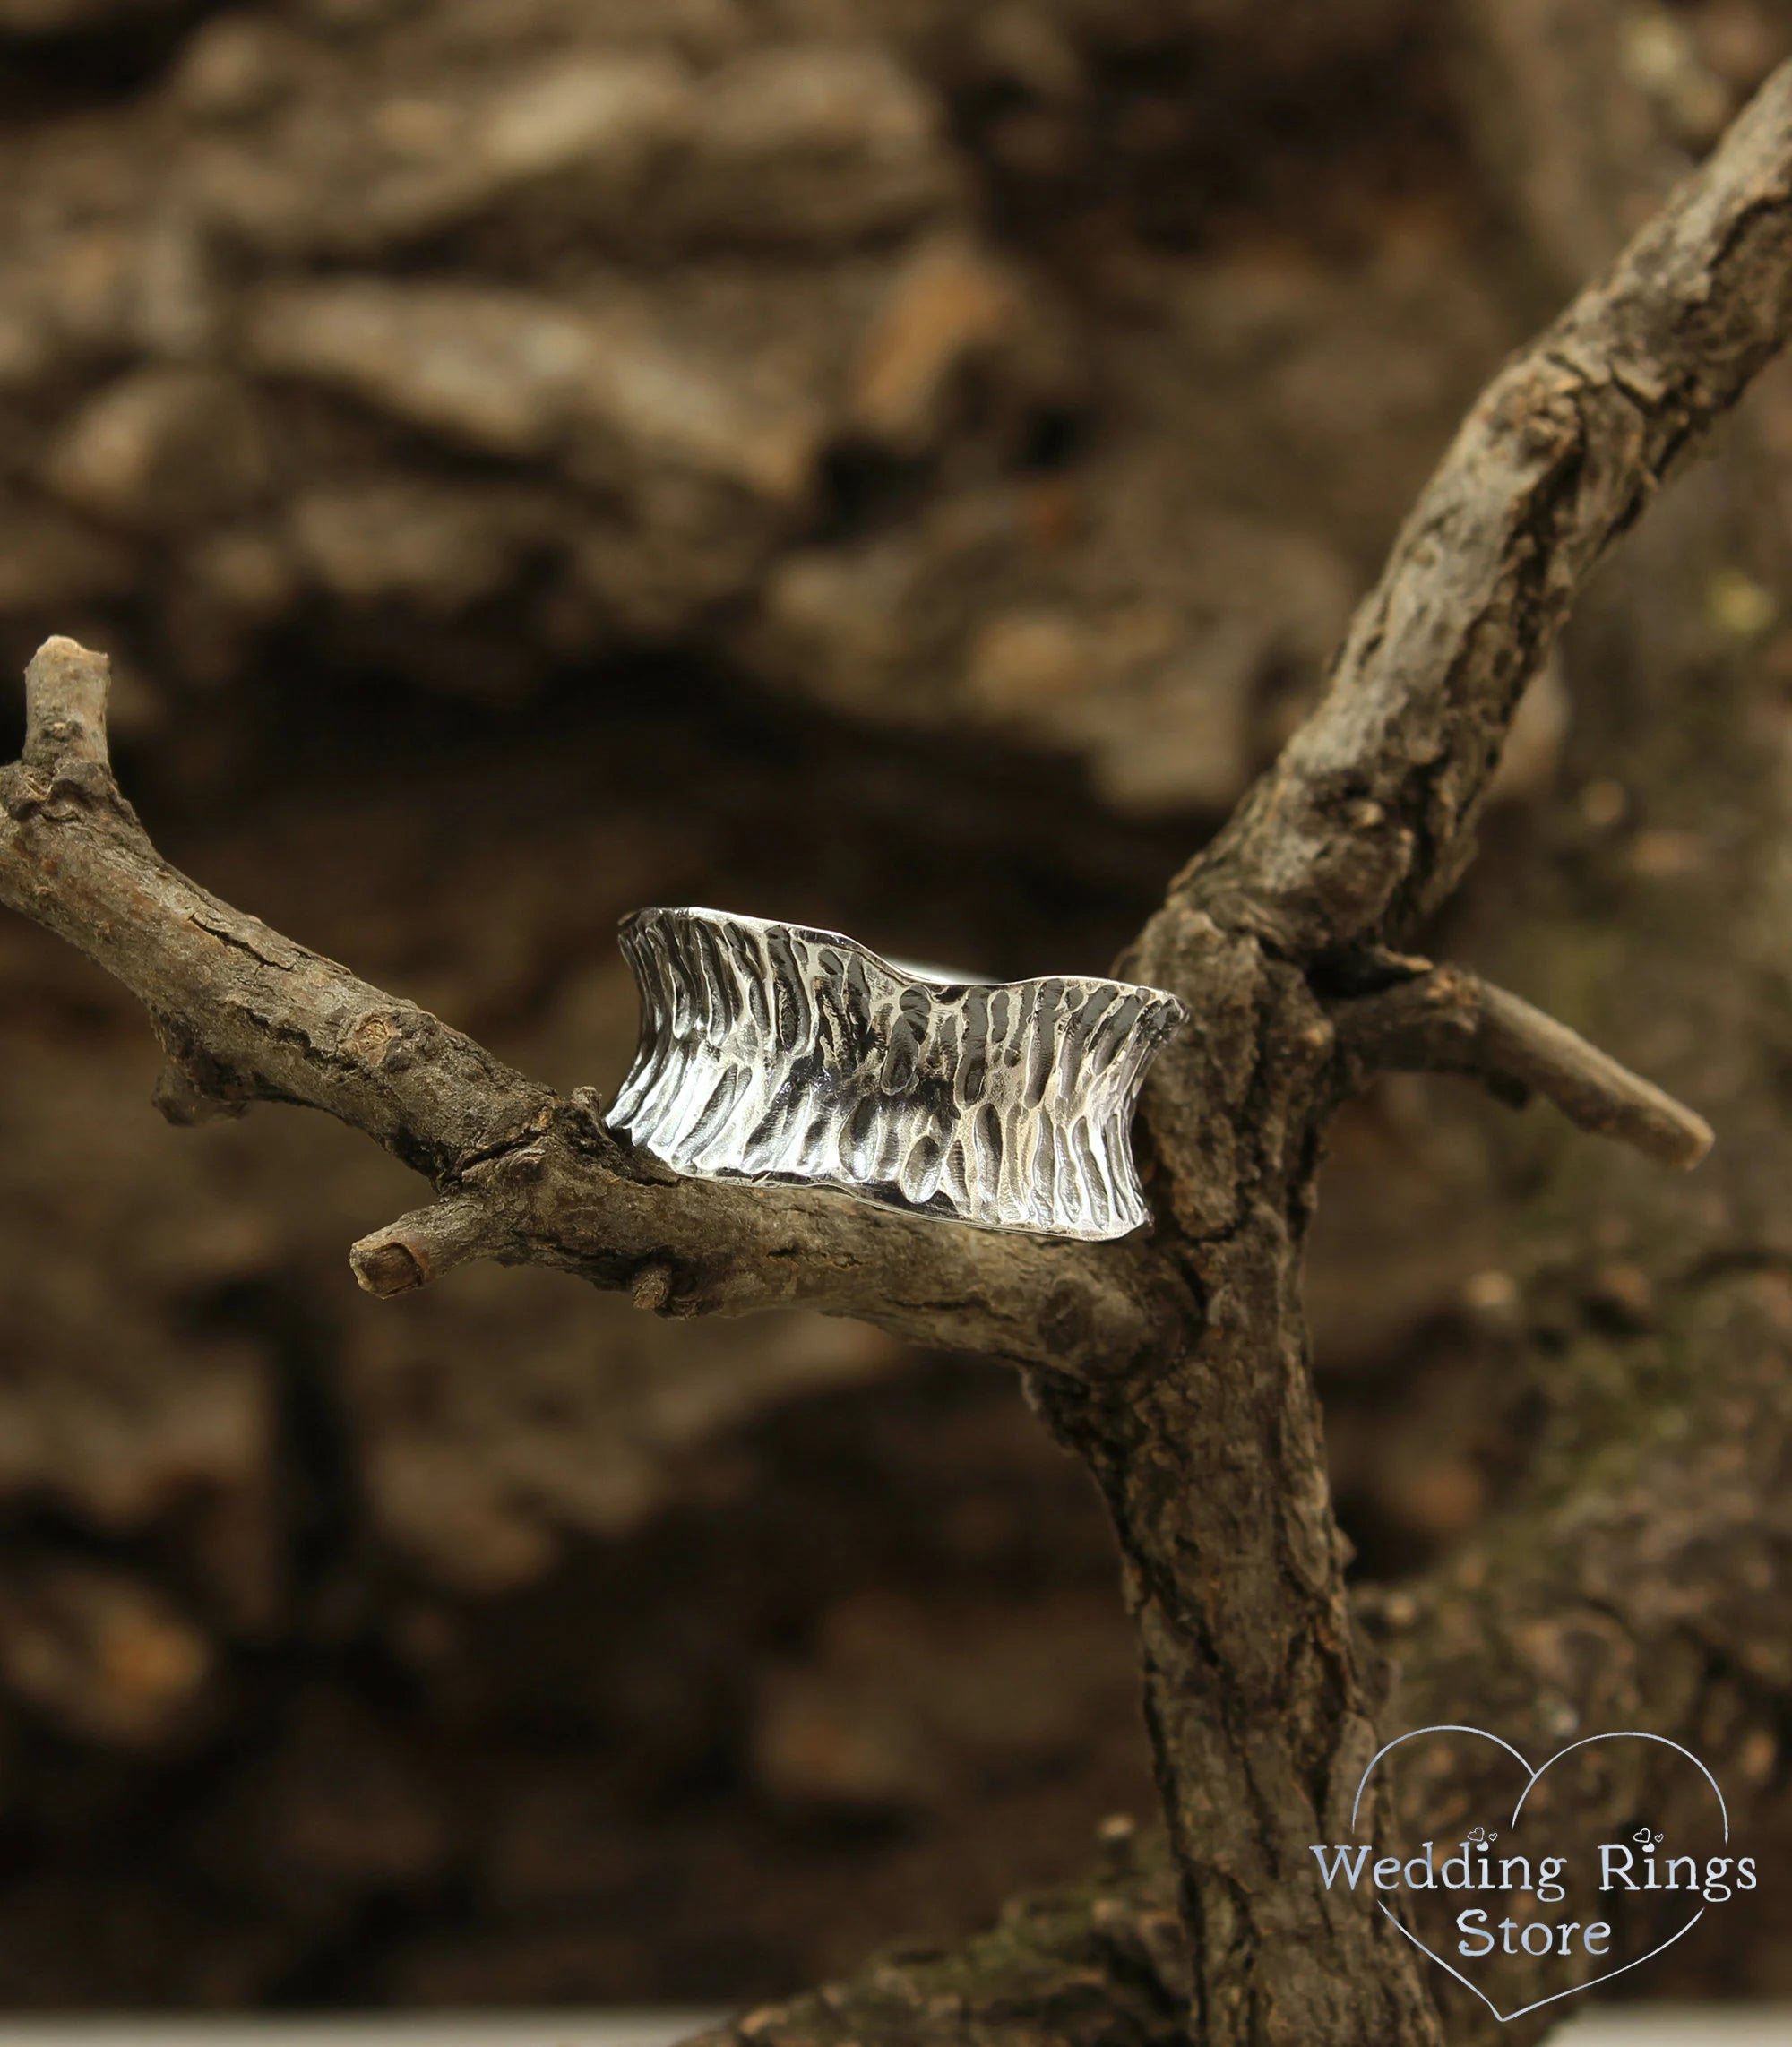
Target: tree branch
x,y
65,696
1443,1020
1259,1695
423,1245
1652,1600
1178,1366
1367,821
246,1015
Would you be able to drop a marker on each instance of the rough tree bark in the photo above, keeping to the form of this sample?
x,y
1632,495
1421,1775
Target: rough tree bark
x,y
1176,1366
1637,1580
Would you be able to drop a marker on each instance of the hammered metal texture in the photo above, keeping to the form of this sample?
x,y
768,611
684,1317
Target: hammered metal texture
x,y
770,1052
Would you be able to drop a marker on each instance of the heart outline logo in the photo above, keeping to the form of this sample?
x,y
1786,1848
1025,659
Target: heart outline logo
x,y
1531,1777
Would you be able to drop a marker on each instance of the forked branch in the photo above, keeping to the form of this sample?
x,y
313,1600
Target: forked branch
x,y
1204,1430
525,1176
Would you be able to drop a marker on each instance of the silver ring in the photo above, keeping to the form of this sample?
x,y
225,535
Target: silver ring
x,y
771,1052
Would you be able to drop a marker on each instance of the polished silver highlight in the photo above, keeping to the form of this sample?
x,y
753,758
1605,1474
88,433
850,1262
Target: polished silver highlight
x,y
773,1052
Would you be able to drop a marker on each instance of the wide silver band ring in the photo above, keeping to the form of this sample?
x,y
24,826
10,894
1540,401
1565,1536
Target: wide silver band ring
x,y
773,1052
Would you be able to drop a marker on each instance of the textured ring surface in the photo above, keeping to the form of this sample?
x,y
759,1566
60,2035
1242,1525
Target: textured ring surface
x,y
771,1052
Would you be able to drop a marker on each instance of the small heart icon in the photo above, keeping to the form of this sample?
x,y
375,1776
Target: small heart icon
x,y
1481,1839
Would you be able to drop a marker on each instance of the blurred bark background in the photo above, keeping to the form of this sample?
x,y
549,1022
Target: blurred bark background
x,y
922,456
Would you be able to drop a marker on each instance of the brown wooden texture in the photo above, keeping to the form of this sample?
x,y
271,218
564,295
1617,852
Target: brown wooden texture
x,y
1176,1366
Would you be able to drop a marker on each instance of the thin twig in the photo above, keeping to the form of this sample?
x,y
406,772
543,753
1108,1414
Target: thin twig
x,y
1448,1020
423,1245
